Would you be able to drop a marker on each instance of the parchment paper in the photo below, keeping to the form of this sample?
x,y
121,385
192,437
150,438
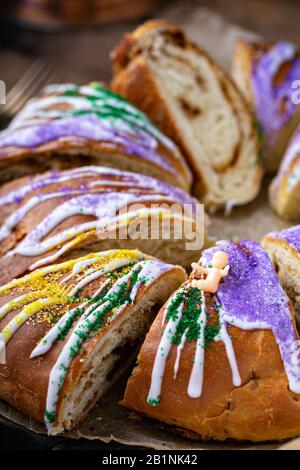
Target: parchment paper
x,y
110,421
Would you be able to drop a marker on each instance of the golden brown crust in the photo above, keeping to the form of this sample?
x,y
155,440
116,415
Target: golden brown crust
x,y
131,68
280,242
243,57
263,408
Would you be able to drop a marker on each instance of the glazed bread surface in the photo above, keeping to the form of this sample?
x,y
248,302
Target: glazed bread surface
x,y
265,73
223,366
69,331
62,215
68,125
284,192
192,100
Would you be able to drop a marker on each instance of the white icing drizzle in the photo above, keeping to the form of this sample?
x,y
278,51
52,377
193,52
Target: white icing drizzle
x,y
43,181
81,265
179,351
103,199
104,209
196,378
47,108
111,266
19,214
12,305
194,389
38,304
48,340
146,275
18,321
51,258
225,338
31,246
162,354
64,361
78,267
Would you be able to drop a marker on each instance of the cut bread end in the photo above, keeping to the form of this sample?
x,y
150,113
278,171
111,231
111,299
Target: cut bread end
x,y
191,99
284,201
113,354
286,262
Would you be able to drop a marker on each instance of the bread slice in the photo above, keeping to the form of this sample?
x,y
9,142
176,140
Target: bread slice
x,y
61,215
68,125
284,190
284,250
69,331
224,366
192,100
265,73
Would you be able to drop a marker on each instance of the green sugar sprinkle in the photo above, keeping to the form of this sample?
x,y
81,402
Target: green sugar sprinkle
x,y
172,312
50,416
69,323
97,300
63,368
154,401
192,299
106,104
113,300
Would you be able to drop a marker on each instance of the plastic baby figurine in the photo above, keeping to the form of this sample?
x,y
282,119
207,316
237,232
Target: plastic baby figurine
x,y
214,274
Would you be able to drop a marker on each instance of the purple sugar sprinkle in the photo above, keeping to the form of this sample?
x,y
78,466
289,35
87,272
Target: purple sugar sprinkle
x,y
268,97
140,143
290,235
141,181
252,295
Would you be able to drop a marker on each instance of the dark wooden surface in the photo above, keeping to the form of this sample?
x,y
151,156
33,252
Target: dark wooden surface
x,y
82,55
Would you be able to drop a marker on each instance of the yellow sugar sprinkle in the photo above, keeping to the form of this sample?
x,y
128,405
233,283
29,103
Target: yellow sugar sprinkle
x,y
19,302
78,238
48,293
66,247
22,317
37,278
46,284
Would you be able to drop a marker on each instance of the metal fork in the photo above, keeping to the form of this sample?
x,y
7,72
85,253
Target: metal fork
x,y
36,77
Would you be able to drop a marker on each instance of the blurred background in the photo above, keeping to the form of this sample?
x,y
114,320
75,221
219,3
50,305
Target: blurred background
x,y
75,37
